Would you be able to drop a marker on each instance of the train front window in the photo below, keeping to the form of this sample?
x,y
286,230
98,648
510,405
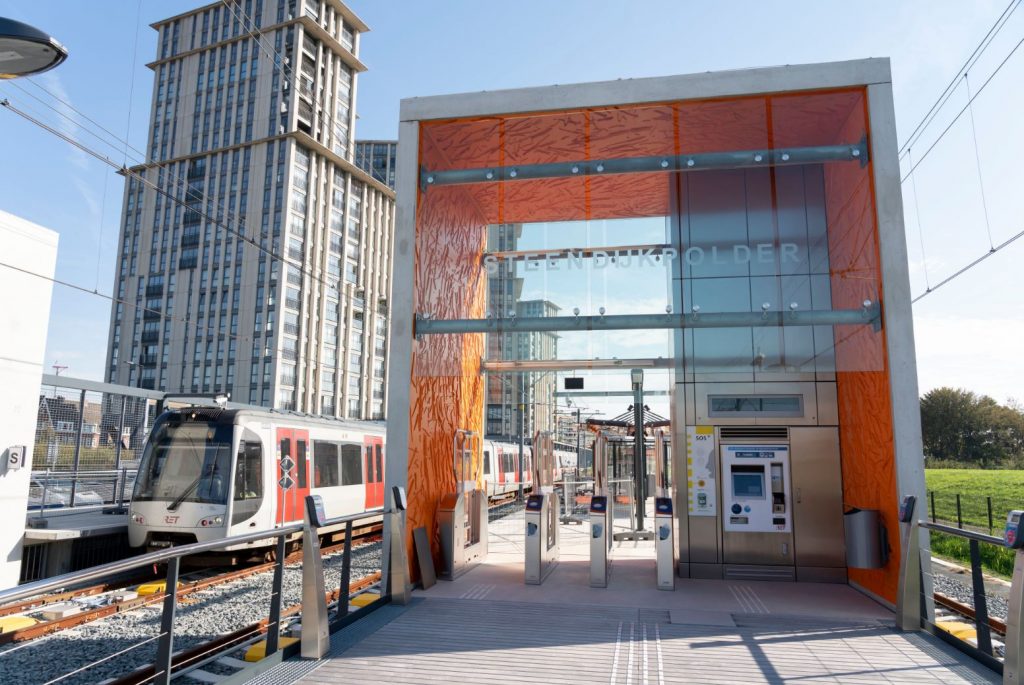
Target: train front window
x,y
186,462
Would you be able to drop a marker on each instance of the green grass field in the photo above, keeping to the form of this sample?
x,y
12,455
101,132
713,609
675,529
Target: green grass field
x,y
1006,488
975,486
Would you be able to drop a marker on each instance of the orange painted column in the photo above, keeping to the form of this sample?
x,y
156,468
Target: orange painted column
x,y
862,373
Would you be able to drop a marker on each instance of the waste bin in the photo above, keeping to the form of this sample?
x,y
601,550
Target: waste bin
x,y
863,539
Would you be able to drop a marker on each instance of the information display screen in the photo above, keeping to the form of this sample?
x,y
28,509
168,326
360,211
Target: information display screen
x,y
748,485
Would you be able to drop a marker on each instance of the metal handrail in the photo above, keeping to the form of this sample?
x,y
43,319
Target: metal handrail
x,y
961,532
46,585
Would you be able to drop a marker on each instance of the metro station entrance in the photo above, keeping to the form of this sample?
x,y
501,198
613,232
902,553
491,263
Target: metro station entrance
x,y
717,261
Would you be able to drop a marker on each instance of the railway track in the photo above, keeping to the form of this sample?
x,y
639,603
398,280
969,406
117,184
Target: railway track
x,y
198,655
116,591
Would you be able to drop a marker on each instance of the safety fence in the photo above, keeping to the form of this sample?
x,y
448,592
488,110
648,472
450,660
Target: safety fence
x,y
59,489
258,609
980,615
87,426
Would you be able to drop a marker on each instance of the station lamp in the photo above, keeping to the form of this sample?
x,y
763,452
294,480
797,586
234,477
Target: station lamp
x,y
637,376
25,50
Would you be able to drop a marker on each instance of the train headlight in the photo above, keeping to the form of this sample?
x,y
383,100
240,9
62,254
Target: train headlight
x,y
138,518
211,521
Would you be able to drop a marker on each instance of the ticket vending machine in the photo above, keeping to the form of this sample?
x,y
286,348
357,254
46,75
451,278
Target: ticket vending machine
x,y
542,513
664,518
600,517
757,509
462,515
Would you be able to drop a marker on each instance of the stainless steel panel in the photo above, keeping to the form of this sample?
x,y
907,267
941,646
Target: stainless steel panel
x,y
768,549
680,407
703,539
706,571
817,574
828,404
818,497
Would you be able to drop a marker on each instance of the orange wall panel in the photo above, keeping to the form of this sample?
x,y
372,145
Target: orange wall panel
x,y
446,388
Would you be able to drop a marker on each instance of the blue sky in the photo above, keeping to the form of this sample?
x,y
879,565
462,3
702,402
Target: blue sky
x,y
968,333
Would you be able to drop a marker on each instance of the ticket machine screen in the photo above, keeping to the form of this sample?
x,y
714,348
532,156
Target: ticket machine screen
x,y
748,484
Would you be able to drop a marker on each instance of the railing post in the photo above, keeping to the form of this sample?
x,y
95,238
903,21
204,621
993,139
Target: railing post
x,y
933,506
988,499
908,600
346,573
165,647
274,626
78,446
1014,637
398,558
315,638
980,601
959,513
120,432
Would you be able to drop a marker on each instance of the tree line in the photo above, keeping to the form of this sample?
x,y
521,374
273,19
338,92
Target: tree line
x,y
962,429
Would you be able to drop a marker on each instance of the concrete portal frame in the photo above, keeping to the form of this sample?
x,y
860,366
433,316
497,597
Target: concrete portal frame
x,y
874,75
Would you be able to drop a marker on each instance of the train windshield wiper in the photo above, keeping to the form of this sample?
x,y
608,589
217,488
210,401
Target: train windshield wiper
x,y
192,486
185,493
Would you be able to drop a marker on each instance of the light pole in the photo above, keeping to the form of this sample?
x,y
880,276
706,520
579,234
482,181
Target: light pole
x,y
639,461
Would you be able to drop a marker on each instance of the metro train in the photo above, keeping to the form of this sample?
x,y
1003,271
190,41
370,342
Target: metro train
x,y
208,473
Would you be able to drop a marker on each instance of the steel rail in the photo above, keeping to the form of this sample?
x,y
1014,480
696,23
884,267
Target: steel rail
x,y
963,533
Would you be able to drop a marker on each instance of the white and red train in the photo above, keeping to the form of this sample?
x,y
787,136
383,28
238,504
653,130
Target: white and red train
x,y
209,473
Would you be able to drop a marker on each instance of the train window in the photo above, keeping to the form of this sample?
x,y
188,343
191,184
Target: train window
x,y
325,464
248,480
249,471
300,452
379,449
351,464
487,462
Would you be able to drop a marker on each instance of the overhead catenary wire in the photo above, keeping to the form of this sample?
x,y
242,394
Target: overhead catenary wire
x,y
944,96
971,265
204,330
333,285
173,198
977,160
963,109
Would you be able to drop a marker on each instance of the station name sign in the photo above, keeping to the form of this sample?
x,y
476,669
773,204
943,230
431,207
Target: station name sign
x,y
573,259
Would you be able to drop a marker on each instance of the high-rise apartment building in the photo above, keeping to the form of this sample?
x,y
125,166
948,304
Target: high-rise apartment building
x,y
377,158
254,255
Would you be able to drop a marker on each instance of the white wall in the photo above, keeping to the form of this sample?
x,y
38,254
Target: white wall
x,y
24,314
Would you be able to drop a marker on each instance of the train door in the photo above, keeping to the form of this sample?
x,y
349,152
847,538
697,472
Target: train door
x,y
292,473
499,461
373,458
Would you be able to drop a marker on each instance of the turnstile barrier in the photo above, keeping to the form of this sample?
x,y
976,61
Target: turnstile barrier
x,y
462,515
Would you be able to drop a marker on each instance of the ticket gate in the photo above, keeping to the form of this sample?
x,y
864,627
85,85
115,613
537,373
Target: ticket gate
x,y
541,540
462,515
664,519
600,517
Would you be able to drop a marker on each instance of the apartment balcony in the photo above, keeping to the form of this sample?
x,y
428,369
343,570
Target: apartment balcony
x,y
152,313
150,336
155,290
149,359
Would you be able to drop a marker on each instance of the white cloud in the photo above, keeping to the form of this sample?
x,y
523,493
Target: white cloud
x,y
66,123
